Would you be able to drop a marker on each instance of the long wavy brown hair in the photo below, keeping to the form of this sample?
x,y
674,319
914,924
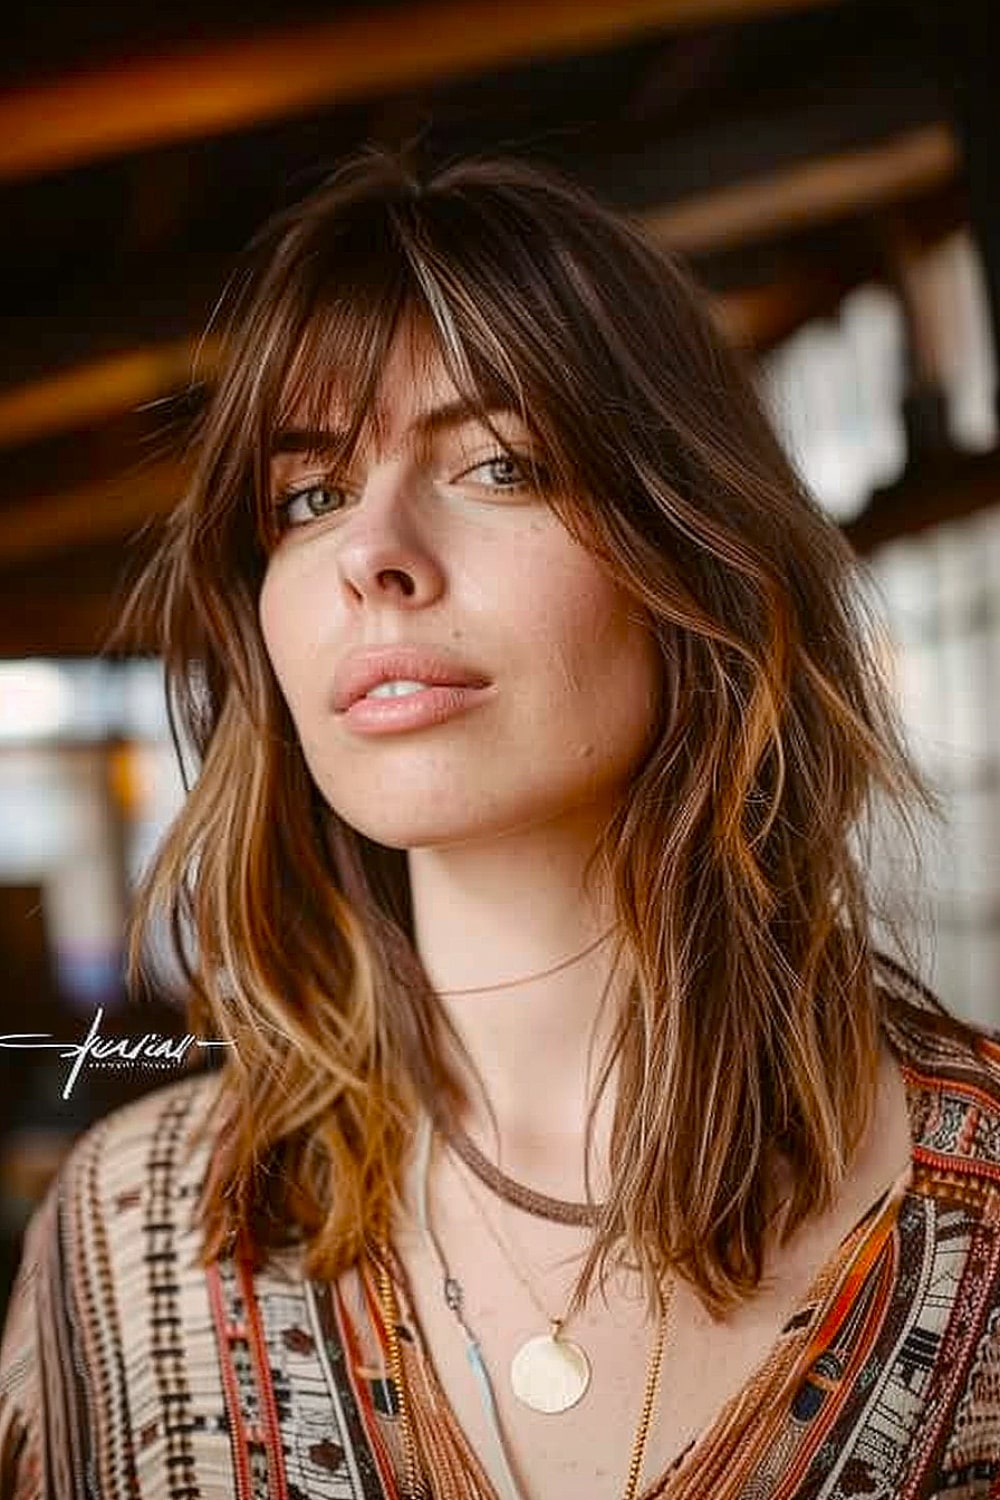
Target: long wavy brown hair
x,y
736,857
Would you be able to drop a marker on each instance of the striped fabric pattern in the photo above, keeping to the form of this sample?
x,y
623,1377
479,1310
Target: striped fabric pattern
x,y
129,1372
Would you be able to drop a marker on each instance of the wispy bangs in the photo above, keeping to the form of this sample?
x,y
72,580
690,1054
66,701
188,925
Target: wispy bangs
x,y
338,327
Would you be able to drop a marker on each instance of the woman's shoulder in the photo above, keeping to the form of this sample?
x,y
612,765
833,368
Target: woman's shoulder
x,y
111,1250
142,1164
162,1138
952,1073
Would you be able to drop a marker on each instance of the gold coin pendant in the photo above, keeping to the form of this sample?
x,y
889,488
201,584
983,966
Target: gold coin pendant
x,y
549,1374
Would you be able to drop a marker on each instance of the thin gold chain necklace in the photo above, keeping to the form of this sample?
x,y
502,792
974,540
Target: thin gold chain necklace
x,y
513,984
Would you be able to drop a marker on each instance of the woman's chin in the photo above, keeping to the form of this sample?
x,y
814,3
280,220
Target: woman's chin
x,y
408,832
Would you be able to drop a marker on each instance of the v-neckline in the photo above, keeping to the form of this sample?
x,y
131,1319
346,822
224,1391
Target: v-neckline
x,y
807,1316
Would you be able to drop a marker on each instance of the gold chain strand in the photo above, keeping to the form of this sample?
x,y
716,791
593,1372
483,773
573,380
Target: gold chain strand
x,y
512,984
649,1399
411,1491
390,1312
412,1486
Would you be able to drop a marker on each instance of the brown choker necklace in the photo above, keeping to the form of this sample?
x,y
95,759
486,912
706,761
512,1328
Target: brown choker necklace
x,y
527,1199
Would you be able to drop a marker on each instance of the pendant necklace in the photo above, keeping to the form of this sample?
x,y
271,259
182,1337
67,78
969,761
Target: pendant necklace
x,y
549,1373
454,1298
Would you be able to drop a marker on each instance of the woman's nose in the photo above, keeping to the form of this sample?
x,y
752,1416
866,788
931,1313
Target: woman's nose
x,y
384,551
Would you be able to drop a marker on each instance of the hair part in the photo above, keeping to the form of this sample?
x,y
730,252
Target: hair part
x,y
751,1030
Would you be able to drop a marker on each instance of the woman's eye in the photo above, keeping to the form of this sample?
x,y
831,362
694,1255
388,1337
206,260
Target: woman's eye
x,y
504,471
308,502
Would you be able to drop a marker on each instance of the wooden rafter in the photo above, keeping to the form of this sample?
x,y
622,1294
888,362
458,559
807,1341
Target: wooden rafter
x,y
103,389
810,193
101,510
190,92
758,317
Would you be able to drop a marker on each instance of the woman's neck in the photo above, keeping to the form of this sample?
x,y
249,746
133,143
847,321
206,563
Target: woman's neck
x,y
498,923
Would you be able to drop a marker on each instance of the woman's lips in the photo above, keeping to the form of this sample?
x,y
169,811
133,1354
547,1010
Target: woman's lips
x,y
417,710
369,666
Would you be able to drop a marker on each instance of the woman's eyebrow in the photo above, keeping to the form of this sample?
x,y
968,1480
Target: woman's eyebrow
x,y
453,413
305,440
424,424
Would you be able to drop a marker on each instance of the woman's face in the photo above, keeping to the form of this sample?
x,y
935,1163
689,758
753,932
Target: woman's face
x,y
435,540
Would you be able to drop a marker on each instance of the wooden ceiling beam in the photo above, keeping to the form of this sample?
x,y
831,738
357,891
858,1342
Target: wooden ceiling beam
x,y
68,603
810,193
212,89
103,389
934,492
757,318
106,510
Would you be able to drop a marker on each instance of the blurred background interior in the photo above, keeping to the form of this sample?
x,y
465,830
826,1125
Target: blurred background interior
x,y
828,167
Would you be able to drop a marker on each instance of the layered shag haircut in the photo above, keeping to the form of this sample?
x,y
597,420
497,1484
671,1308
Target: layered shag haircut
x,y
752,1024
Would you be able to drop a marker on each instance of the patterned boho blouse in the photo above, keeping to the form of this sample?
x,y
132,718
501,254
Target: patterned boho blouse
x,y
128,1373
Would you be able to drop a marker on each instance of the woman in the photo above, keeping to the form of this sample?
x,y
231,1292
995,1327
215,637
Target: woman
x,y
574,1140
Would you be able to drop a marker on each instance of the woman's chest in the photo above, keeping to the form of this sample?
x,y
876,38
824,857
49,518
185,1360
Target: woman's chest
x,y
651,1387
